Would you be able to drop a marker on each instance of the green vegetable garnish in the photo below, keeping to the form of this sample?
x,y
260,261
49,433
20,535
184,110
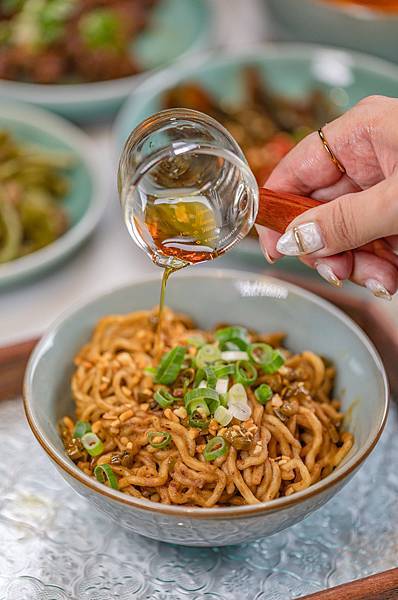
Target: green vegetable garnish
x,y
170,366
101,28
215,448
245,372
92,444
209,353
237,336
207,395
81,428
164,398
165,438
263,393
105,473
270,360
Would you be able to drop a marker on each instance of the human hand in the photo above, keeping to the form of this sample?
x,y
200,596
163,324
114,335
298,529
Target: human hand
x,y
355,234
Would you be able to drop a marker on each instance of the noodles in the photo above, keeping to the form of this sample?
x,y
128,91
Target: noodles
x,y
163,441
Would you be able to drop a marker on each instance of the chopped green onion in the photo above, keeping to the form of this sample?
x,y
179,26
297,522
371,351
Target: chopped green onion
x,y
81,428
164,398
215,448
223,416
211,377
263,393
200,375
223,370
207,354
222,386
196,340
224,399
197,422
104,473
170,365
92,444
245,372
165,438
264,355
275,364
234,355
238,405
198,408
208,395
235,335
260,353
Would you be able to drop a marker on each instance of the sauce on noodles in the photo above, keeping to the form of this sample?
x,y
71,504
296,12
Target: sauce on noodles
x,y
225,417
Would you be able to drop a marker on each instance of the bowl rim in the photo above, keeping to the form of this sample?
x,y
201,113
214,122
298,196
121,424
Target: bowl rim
x,y
198,512
86,151
60,94
186,68
357,12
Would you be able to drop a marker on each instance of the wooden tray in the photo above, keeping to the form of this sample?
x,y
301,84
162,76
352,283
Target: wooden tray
x,y
371,318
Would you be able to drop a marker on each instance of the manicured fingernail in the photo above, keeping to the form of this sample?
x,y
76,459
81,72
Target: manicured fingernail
x,y
303,239
269,260
377,289
328,274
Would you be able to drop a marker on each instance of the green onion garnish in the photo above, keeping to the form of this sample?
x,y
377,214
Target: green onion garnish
x,y
223,416
211,377
235,335
92,444
200,375
196,340
215,448
223,370
264,355
263,393
164,398
81,428
207,354
208,395
170,365
245,372
260,353
275,364
165,439
104,473
197,422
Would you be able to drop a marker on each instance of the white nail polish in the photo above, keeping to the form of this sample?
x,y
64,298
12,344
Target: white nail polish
x,y
377,289
327,273
303,239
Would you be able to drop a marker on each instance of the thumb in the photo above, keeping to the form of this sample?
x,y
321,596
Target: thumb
x,y
345,223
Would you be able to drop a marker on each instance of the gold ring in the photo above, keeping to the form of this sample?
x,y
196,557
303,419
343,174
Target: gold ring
x,y
332,155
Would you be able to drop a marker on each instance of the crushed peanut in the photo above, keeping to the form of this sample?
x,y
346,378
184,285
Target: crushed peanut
x,y
126,415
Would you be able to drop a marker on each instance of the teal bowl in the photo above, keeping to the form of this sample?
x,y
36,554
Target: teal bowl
x,y
178,28
86,199
209,297
349,26
290,69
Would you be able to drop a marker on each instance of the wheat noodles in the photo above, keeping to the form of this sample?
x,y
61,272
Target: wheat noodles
x,y
177,452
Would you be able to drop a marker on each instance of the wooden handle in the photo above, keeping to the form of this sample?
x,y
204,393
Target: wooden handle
x,y
13,361
383,586
278,209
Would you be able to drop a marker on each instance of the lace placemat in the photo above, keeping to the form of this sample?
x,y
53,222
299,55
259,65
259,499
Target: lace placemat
x,y
54,546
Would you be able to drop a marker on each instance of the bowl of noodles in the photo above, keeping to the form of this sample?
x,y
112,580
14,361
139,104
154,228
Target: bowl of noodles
x,y
254,406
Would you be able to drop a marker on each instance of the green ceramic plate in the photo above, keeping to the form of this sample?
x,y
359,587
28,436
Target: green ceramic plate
x,y
291,69
86,200
178,28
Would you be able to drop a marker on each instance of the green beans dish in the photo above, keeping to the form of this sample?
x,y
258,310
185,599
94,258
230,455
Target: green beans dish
x,y
33,185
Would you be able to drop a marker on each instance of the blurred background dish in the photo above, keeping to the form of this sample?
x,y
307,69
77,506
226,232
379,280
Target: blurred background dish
x,y
366,25
268,98
81,59
52,191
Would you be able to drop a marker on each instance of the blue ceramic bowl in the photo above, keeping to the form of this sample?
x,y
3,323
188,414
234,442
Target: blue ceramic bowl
x,y
178,28
350,25
87,196
291,69
259,302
